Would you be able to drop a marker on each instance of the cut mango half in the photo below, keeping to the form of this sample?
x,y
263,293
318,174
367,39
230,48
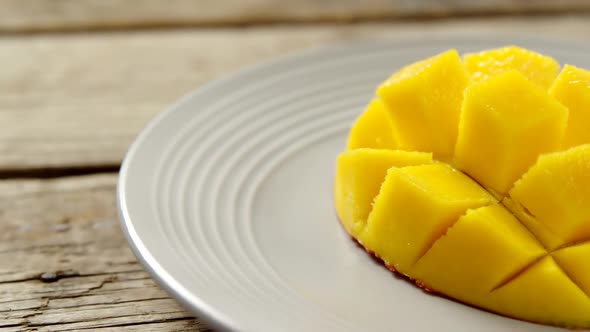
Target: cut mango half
x,y
471,176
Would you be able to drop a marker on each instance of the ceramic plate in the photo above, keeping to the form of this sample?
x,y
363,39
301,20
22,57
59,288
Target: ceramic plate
x,y
226,197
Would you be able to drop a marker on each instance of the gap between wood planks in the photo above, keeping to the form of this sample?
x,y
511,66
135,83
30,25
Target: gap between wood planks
x,y
57,172
253,22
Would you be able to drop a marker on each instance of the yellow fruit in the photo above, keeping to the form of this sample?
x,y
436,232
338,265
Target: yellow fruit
x,y
488,246
543,293
354,191
424,101
536,67
572,89
493,206
543,234
425,201
575,263
556,192
373,129
506,122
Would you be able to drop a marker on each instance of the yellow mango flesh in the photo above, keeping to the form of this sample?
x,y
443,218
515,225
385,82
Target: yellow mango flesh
x,y
538,68
373,129
488,246
572,89
354,192
545,236
424,201
556,192
543,293
575,263
502,131
424,101
501,219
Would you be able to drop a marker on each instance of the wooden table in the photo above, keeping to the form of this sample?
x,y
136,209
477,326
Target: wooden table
x,y
79,79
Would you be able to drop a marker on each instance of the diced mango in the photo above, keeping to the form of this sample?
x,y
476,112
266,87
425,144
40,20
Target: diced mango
x,y
572,89
543,293
496,214
415,206
424,100
556,191
538,68
373,129
506,122
575,261
485,247
359,176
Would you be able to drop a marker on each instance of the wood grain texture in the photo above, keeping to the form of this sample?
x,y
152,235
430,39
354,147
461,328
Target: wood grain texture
x,y
67,228
74,102
78,100
37,15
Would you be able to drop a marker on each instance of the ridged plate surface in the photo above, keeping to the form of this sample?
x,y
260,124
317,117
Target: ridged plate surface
x,y
226,197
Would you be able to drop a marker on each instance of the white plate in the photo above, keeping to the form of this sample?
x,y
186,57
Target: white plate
x,y
226,198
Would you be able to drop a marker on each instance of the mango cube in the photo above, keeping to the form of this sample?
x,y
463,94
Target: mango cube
x,y
506,122
373,129
556,191
359,176
424,100
487,246
415,207
543,293
575,263
538,68
572,89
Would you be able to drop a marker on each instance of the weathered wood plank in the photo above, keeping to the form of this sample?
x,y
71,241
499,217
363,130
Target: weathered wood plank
x,y
78,100
66,265
176,326
35,15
